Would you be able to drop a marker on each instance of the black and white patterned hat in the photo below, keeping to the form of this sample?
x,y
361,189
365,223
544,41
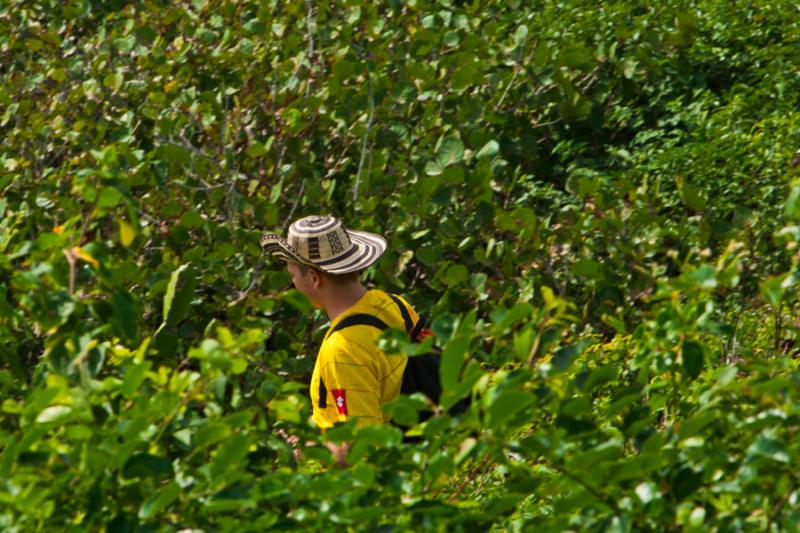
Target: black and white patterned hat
x,y
323,243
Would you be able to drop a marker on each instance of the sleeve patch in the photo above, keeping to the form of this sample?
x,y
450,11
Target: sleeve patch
x,y
340,397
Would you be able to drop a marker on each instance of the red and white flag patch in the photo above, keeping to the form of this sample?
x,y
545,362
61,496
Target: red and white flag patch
x,y
340,397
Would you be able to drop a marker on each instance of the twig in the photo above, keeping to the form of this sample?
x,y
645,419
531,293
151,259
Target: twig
x,y
469,478
517,68
310,37
243,294
545,124
535,346
505,92
366,137
71,259
588,488
588,79
776,511
296,202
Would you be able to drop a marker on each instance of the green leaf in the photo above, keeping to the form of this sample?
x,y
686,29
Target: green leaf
x,y
109,197
792,207
647,491
692,356
113,81
506,405
521,35
564,356
771,448
490,149
146,465
703,277
54,413
124,315
453,357
450,151
600,376
691,196
456,275
231,454
433,168
256,149
159,501
774,287
177,301
134,378
589,268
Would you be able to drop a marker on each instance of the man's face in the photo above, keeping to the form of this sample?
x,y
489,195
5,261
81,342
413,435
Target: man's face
x,y
303,279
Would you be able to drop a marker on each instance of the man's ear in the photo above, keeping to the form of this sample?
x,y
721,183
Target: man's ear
x,y
316,277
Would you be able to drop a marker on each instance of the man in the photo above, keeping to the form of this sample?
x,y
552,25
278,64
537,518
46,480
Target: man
x,y
352,377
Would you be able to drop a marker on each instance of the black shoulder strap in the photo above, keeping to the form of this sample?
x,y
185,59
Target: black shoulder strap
x,y
421,324
360,319
403,311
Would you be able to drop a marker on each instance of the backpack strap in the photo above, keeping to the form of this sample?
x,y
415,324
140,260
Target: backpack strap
x,y
422,323
360,319
403,311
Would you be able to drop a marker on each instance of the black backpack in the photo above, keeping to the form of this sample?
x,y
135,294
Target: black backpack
x,y
422,371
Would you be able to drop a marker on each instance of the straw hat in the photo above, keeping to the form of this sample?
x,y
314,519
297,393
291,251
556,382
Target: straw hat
x,y
323,242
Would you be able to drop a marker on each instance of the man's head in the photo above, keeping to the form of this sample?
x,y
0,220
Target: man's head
x,y
323,257
318,286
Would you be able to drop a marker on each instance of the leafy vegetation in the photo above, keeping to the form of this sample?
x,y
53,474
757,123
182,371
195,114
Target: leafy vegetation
x,y
595,200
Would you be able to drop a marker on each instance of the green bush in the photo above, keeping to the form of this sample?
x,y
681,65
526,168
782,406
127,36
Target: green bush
x,y
596,201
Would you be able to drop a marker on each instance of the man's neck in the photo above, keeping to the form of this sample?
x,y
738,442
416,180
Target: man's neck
x,y
343,298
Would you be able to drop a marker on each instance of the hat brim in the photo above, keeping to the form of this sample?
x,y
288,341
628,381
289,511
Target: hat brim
x,y
366,249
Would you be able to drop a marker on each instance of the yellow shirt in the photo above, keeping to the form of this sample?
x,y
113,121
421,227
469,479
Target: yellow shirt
x,y
352,377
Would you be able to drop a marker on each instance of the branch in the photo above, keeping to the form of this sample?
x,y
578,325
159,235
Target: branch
x,y
296,202
243,294
310,37
588,488
366,137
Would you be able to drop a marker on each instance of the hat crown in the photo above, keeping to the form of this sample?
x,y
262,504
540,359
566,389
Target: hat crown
x,y
319,238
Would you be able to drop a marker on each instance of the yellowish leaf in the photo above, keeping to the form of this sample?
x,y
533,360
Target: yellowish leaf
x,y
77,251
170,86
126,233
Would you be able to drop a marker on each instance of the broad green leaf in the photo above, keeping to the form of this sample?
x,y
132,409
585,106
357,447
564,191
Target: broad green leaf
x,y
231,454
451,151
692,356
453,357
589,268
490,149
691,196
134,378
146,465
177,300
434,167
456,275
159,501
54,413
564,356
792,207
506,405
109,197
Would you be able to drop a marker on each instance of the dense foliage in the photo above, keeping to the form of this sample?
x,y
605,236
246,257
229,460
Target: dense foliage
x,y
594,199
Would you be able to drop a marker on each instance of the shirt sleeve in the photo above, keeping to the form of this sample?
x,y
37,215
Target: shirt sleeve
x,y
353,389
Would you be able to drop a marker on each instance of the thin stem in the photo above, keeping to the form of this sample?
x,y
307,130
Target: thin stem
x,y
296,202
366,137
